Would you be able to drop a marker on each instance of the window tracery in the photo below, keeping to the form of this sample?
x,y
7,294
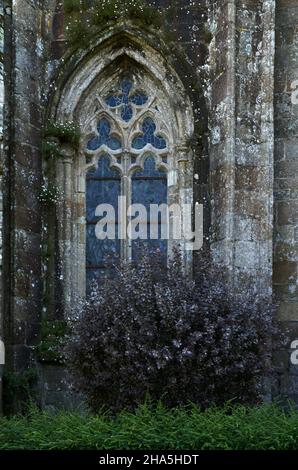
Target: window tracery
x,y
128,139
110,117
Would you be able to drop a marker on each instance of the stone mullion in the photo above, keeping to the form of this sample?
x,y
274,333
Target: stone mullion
x,y
126,191
79,242
185,175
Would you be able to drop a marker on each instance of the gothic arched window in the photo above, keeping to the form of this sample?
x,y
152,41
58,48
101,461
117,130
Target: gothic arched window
x,y
136,123
128,150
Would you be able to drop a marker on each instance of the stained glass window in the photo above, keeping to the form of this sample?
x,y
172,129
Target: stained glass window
x,y
149,186
149,136
104,183
125,98
102,187
104,137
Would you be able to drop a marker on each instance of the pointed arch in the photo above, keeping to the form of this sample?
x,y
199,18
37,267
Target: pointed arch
x,y
86,69
82,87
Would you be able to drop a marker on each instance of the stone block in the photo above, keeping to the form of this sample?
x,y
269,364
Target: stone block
x,y
287,213
285,272
246,254
288,312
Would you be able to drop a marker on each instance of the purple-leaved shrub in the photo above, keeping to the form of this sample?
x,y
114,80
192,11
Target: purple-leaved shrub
x,y
151,331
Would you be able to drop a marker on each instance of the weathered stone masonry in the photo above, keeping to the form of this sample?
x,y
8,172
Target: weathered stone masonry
x,y
22,285
236,60
285,277
241,137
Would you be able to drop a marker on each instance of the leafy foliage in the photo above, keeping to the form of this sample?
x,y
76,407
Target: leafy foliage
x,y
18,387
152,331
57,135
66,133
155,427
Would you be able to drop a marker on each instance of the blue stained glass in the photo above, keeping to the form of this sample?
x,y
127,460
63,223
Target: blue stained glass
x,y
126,86
149,170
125,98
139,98
149,186
113,101
126,113
122,98
103,169
149,136
101,192
149,192
99,252
104,137
102,187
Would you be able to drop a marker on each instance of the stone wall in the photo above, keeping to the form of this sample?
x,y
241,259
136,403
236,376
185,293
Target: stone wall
x,y
186,22
1,172
35,46
285,277
22,285
241,139
234,175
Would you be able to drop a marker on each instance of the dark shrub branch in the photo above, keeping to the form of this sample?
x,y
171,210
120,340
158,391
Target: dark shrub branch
x,y
152,331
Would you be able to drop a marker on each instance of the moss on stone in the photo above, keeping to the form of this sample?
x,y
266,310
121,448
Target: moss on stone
x,y
51,148
52,339
207,35
71,6
56,135
83,22
64,133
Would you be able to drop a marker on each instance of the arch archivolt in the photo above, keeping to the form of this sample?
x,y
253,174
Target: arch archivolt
x,y
83,99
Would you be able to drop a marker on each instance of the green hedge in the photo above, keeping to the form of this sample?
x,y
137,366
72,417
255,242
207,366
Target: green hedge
x,y
153,428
